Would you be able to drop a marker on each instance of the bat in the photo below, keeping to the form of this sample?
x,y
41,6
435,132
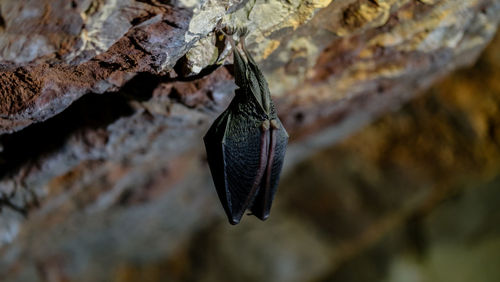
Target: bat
x,y
246,144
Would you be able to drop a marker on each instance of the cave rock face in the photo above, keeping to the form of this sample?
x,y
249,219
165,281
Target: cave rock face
x,y
103,104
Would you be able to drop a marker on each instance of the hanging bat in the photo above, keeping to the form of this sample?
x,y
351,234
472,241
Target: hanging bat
x,y
246,144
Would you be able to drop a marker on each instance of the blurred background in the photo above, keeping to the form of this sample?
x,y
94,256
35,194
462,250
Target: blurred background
x,y
392,172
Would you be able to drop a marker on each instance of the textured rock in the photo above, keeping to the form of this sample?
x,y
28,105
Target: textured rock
x,y
103,105
58,52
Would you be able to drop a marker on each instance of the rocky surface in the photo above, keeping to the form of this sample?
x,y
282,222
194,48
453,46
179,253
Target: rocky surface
x,y
53,52
103,105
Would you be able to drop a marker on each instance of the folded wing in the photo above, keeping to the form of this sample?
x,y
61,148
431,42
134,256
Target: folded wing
x,y
237,155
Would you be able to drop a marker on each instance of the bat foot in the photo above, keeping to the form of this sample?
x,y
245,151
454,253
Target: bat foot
x,y
241,32
229,30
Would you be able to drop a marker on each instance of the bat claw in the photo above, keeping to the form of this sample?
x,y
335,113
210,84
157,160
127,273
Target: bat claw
x,y
229,30
243,31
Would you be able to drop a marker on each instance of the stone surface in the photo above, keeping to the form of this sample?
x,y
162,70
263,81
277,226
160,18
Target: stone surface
x,y
337,51
104,103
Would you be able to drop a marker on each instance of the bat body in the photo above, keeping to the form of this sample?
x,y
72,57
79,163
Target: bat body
x,y
246,144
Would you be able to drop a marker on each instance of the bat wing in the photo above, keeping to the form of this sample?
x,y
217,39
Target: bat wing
x,y
244,154
261,206
234,150
215,156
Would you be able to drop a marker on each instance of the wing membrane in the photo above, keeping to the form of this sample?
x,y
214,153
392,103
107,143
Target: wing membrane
x,y
237,155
